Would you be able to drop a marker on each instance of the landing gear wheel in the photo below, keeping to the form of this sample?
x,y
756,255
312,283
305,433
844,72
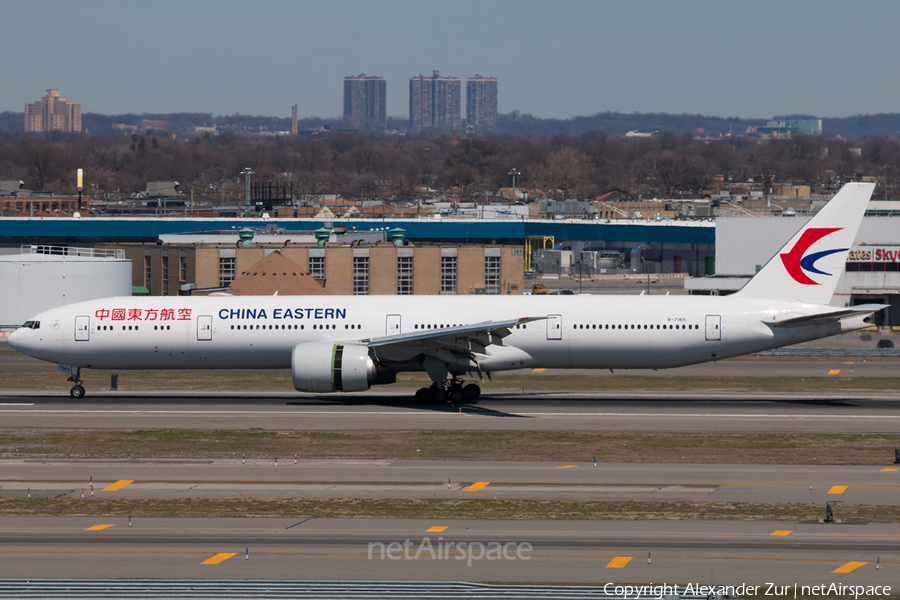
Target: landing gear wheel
x,y
472,391
439,394
422,395
77,392
456,394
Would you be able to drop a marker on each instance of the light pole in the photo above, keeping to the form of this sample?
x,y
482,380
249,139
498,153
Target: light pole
x,y
80,182
247,172
514,172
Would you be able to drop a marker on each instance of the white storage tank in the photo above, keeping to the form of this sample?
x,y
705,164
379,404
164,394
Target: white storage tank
x,y
45,277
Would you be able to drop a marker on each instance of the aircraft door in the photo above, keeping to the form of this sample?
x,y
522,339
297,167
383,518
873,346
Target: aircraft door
x,y
204,328
554,327
713,328
82,328
392,326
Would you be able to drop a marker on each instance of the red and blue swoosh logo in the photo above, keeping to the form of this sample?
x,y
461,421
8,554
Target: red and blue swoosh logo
x,y
797,262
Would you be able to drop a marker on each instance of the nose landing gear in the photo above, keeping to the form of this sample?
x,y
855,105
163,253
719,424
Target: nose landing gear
x,y
77,390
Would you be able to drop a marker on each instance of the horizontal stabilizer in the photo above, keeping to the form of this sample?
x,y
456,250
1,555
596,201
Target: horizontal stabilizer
x,y
825,317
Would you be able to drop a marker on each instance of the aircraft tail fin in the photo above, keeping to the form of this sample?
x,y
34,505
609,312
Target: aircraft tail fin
x,y
808,267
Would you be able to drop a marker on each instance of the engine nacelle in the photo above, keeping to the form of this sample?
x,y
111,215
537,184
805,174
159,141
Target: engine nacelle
x,y
330,367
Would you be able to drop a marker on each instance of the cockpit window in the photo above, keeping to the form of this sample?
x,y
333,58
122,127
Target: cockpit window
x,y
32,325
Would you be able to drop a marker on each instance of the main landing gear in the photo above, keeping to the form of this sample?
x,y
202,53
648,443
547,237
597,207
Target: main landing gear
x,y
452,390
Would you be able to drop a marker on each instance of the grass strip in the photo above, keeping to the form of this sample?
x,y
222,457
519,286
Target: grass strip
x,y
567,446
442,509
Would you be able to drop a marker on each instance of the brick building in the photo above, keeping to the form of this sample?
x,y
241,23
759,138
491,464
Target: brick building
x,y
41,206
378,269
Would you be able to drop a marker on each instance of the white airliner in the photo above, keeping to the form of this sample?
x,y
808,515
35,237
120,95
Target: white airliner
x,y
349,343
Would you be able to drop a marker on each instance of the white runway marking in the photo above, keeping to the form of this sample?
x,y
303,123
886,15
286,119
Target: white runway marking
x,y
431,414
16,403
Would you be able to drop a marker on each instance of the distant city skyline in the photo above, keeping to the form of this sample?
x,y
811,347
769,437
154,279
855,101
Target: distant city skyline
x,y
554,60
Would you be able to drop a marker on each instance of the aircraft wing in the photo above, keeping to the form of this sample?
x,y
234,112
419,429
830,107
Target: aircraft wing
x,y
466,338
824,317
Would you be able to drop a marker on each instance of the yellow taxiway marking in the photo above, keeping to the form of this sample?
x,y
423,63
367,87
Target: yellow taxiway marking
x,y
477,486
850,566
705,559
538,370
837,489
834,371
782,532
566,466
892,469
118,485
436,529
849,363
220,557
99,527
618,562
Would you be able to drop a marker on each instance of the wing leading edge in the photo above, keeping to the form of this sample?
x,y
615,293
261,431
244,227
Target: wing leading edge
x,y
477,336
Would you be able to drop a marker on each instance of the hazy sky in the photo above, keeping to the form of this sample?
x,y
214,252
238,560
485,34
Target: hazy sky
x,y
551,58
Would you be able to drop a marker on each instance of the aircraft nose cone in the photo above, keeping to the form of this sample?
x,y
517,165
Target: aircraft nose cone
x,y
19,340
15,339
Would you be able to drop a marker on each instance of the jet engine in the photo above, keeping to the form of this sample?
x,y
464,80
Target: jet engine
x,y
330,367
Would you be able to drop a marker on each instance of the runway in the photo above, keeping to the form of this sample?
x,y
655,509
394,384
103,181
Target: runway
x,y
171,479
546,551
564,551
715,411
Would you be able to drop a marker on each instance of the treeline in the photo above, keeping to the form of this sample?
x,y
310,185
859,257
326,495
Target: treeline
x,y
363,166
608,122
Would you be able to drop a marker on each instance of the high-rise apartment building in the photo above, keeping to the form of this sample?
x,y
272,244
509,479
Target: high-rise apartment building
x,y
434,102
52,113
365,101
481,102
